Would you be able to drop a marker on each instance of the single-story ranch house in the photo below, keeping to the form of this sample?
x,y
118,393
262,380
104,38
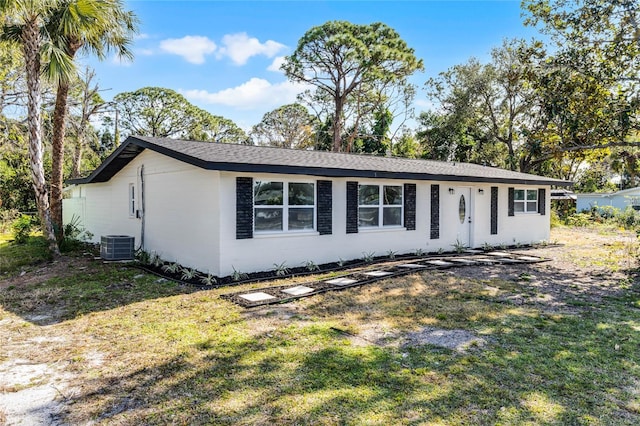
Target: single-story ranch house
x,y
222,207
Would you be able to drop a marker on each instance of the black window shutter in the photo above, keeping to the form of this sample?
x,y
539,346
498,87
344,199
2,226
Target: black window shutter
x,y
542,199
435,212
410,206
244,208
511,202
494,210
324,207
352,207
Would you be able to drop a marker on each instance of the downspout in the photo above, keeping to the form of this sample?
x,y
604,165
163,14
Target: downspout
x,y
142,207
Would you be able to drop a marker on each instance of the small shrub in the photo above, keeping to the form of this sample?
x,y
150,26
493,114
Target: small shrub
x,y
208,280
237,275
171,268
156,260
579,220
368,256
187,274
628,218
74,235
487,247
554,219
143,256
281,269
392,254
459,246
7,217
311,266
340,262
21,228
419,252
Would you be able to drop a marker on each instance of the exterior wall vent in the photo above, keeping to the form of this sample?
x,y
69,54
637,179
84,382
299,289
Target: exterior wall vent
x,y
116,247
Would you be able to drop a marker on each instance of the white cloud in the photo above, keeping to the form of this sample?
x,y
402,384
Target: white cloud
x,y
191,48
255,93
141,36
240,47
121,61
144,52
275,65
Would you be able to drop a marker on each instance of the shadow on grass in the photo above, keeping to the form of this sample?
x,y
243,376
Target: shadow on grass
x,y
539,369
254,382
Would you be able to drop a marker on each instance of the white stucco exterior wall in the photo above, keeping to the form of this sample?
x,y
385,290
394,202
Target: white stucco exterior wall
x,y
181,220
263,251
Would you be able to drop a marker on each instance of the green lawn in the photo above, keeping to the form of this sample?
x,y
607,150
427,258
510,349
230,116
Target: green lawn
x,y
560,349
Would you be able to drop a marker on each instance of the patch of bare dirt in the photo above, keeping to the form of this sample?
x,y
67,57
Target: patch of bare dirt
x,y
585,267
63,266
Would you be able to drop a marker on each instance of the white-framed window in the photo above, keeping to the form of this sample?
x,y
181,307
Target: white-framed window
x,y
281,206
132,200
525,201
379,205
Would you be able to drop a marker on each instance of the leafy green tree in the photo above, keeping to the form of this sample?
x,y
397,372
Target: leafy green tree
x,y
289,126
160,112
595,37
484,107
16,188
214,128
598,57
156,112
92,27
595,178
407,146
350,65
378,141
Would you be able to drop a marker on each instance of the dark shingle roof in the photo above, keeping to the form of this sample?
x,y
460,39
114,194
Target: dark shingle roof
x,y
259,159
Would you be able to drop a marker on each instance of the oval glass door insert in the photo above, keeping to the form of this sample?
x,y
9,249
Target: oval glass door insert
x,y
462,209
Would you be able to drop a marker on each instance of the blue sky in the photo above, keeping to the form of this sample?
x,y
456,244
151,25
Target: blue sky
x,y
223,55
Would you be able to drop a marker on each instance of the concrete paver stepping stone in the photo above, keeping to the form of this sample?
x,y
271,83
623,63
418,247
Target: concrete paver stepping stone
x,y
528,258
377,273
298,290
464,261
259,296
439,263
341,281
509,260
499,254
411,265
486,260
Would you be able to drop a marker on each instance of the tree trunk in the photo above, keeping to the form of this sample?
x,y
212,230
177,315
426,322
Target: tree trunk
x,y
31,47
337,126
77,157
57,157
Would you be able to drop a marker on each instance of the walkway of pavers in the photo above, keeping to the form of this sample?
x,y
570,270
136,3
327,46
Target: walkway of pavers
x,y
365,275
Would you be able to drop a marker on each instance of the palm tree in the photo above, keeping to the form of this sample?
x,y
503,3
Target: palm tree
x,y
24,24
93,26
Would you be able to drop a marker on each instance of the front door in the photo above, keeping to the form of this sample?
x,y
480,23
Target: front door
x,y
463,218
